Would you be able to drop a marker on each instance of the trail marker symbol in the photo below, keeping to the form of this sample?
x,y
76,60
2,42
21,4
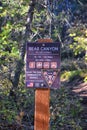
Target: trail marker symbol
x,y
50,76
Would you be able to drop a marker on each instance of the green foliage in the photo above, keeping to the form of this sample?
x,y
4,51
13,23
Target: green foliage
x,y
85,79
79,36
11,104
65,110
8,110
72,75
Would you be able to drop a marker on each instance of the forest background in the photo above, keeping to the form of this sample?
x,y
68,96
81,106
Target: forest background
x,y
63,21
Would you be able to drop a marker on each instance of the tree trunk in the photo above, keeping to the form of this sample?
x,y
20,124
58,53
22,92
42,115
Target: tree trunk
x,y
19,65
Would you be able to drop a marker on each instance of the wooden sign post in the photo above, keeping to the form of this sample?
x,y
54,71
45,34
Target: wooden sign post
x,y
42,112
42,73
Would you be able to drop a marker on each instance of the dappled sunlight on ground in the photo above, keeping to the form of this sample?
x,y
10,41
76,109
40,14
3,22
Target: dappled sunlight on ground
x,y
81,89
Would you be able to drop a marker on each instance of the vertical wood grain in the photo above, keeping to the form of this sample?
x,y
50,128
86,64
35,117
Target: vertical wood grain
x,y
42,112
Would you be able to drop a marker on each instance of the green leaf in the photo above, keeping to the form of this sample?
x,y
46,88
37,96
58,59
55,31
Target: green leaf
x,y
72,34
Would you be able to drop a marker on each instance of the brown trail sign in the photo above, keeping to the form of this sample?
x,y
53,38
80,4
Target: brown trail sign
x,y
43,65
42,73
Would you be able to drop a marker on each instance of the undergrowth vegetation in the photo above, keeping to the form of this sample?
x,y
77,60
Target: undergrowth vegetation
x,y
65,110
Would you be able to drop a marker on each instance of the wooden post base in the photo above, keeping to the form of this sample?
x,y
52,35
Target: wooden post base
x,y
42,113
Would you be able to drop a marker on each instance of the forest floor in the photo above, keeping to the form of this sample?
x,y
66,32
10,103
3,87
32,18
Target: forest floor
x,y
79,88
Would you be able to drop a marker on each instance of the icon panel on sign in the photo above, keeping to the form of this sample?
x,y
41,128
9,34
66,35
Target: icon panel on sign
x,y
46,65
30,84
32,65
53,65
39,65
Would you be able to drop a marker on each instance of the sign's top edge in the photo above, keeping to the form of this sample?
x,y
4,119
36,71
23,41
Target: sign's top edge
x,y
42,42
